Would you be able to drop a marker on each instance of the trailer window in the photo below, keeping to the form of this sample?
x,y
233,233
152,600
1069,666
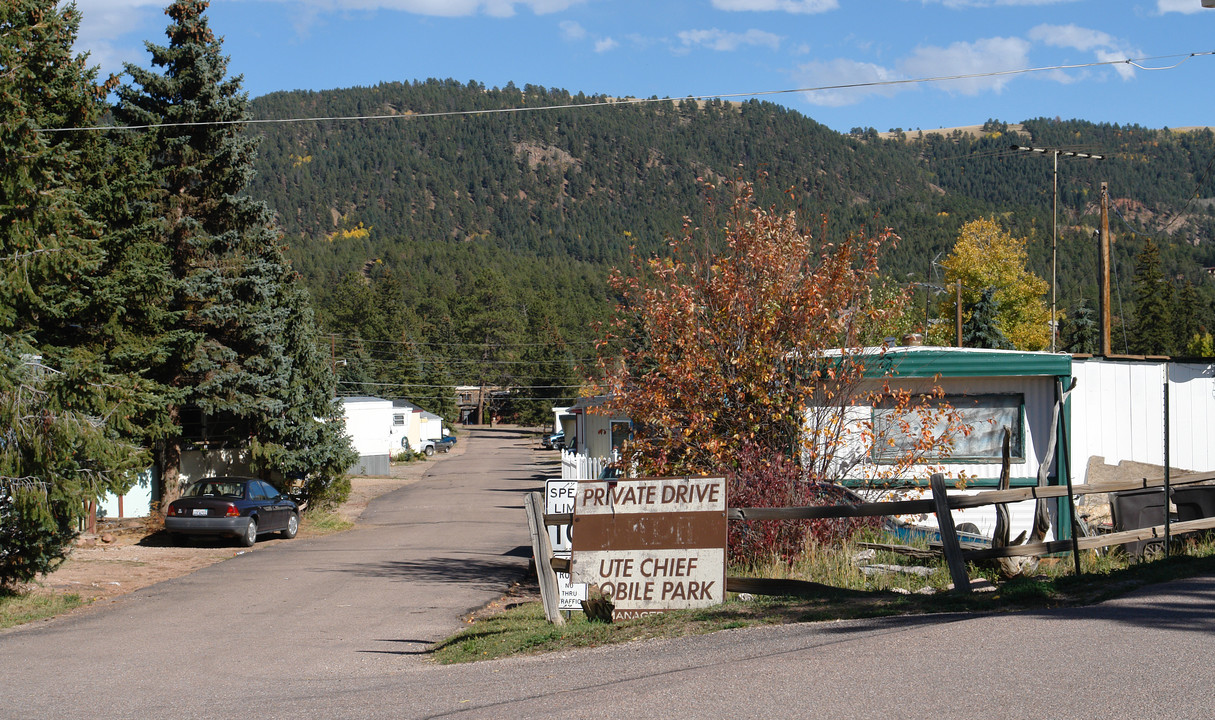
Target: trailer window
x,y
985,417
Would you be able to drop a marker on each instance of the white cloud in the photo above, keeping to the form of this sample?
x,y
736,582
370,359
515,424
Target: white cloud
x,y
842,71
1179,6
1104,46
102,22
1125,70
789,6
605,45
726,41
443,8
981,56
571,30
964,58
993,3
450,8
1070,36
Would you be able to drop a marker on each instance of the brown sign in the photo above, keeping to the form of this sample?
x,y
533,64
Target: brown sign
x,y
652,544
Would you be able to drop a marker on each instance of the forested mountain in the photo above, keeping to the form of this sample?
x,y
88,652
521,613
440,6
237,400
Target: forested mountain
x,y
424,210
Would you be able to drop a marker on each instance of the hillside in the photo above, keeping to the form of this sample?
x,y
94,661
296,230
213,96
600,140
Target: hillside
x,y
547,201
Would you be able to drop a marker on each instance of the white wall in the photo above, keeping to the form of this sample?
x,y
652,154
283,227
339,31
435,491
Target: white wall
x,y
1118,413
410,431
369,424
431,427
138,500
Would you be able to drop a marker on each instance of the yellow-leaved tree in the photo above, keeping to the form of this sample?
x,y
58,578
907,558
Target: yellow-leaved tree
x,y
987,256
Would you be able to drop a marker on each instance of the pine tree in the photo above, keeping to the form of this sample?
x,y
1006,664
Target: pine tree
x,y
1080,332
62,403
982,328
1153,331
1185,315
235,305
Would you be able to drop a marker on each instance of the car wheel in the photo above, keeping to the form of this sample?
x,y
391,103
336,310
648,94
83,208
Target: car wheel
x,y
430,450
250,535
293,526
968,527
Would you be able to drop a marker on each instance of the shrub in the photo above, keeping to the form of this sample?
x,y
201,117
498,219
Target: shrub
x,y
762,481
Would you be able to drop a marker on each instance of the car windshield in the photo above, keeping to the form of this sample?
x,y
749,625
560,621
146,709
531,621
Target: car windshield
x,y
216,488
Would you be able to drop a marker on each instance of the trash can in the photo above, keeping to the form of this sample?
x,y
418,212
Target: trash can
x,y
1134,509
1194,503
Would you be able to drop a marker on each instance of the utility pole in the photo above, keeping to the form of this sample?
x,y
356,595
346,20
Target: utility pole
x,y
957,312
1103,264
1054,242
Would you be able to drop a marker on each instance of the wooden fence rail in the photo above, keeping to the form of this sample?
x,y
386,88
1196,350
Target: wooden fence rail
x,y
941,503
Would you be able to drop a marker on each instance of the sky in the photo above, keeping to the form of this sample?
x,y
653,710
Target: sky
x,y
738,48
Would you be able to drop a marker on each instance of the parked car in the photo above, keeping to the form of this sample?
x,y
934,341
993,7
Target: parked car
x,y
429,446
239,507
556,441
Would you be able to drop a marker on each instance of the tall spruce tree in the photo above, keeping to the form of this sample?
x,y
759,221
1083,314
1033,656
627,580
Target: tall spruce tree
x,y
982,328
1153,332
1080,331
1186,316
64,406
235,304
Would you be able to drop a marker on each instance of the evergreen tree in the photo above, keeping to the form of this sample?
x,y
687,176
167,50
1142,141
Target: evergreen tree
x,y
63,406
233,301
493,329
1185,315
982,328
1201,345
1080,331
1153,332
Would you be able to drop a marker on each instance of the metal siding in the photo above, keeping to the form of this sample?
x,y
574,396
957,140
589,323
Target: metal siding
x,y
970,362
1192,411
1118,413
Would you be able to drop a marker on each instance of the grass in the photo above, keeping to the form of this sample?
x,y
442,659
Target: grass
x,y
23,607
850,594
325,523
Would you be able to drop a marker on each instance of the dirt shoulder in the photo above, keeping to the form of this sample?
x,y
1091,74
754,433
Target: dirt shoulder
x,y
128,554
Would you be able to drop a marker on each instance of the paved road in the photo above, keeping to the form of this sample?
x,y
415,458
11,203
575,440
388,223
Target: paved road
x,y
333,644
355,605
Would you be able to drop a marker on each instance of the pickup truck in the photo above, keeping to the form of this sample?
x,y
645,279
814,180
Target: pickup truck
x,y
430,446
443,444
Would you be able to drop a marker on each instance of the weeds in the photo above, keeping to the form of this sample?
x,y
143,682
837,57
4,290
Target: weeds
x,y
325,523
22,607
852,594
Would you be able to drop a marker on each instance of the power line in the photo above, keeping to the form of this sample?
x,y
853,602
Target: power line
x,y
1136,62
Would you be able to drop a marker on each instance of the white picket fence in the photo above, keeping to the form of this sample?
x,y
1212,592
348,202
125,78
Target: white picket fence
x,y
581,467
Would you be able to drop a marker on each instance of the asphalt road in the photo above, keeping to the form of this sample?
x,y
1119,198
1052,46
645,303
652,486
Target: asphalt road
x,y
334,628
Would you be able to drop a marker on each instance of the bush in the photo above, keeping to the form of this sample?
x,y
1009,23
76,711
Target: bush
x,y
35,540
762,481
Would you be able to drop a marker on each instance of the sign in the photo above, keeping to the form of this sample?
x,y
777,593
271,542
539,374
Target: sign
x,y
652,544
559,498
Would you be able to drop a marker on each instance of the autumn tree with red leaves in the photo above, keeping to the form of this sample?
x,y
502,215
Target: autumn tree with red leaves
x,y
757,352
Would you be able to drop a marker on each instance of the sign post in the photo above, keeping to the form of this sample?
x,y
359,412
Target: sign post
x,y
652,544
559,499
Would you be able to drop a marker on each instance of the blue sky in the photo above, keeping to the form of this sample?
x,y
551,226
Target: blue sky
x,y
716,47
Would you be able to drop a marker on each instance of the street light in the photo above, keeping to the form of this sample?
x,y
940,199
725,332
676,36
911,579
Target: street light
x,y
1054,241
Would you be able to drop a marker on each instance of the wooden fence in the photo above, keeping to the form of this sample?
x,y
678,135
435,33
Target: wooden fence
x,y
940,503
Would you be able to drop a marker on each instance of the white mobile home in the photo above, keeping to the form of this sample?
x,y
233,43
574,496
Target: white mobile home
x,y
988,390
369,424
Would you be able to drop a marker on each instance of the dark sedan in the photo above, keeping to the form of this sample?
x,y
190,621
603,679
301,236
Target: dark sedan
x,y
239,507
